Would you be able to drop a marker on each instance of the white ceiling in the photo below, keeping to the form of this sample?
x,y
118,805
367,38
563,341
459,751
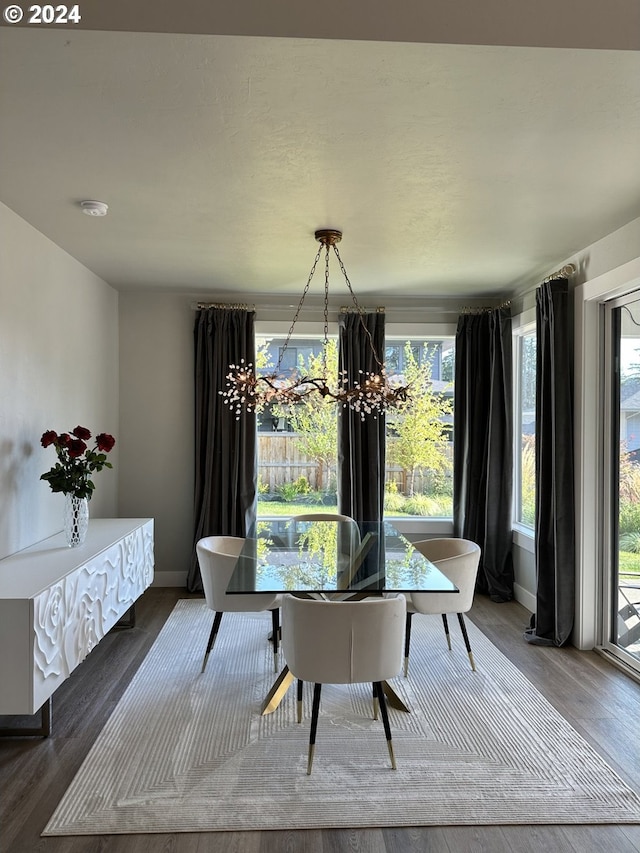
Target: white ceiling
x,y
452,169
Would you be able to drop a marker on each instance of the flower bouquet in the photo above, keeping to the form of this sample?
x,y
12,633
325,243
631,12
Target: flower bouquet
x,y
72,473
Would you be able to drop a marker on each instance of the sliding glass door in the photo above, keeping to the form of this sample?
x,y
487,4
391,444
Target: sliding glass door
x,y
621,576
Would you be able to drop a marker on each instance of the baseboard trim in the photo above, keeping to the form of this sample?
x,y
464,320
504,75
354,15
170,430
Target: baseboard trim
x,y
170,579
524,597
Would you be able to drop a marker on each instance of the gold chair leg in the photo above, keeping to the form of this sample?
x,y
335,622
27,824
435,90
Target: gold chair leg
x,y
465,635
391,755
312,749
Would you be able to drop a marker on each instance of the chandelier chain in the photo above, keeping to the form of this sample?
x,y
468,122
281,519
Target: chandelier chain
x,y
325,345
359,309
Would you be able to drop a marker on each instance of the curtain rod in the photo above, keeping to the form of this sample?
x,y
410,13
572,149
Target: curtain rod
x,y
345,309
566,271
239,306
484,309
350,309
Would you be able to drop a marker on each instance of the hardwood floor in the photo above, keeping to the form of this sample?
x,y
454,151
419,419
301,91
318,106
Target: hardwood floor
x,y
596,698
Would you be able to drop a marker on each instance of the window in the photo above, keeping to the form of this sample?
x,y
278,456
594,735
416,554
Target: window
x,y
621,564
392,358
288,358
298,446
419,465
525,429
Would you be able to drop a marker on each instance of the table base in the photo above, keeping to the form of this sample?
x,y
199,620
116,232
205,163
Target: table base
x,y
286,678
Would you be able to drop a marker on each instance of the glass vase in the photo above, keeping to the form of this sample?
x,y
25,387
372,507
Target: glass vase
x,y
76,520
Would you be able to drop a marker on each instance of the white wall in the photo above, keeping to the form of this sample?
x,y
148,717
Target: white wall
x,y
58,369
157,424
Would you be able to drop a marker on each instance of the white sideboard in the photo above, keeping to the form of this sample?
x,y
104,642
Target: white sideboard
x,y
57,603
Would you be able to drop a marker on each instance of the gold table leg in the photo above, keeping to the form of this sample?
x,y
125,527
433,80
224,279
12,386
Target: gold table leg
x,y
394,700
277,693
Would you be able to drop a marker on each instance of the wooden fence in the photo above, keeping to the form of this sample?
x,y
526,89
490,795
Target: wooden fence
x,y
280,461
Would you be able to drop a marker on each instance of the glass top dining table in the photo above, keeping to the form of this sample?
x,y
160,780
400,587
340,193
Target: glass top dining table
x,y
332,559
328,557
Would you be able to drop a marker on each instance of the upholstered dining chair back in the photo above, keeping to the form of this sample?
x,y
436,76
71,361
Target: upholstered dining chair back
x,y
321,516
458,559
350,541
343,642
217,558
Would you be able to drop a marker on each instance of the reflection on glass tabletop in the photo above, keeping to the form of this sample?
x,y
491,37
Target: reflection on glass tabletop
x,y
286,555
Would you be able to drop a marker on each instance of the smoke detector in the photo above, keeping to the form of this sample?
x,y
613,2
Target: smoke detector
x,y
94,208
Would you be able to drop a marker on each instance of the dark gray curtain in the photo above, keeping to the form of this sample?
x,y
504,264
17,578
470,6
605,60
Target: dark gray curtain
x,y
225,448
361,444
555,521
483,446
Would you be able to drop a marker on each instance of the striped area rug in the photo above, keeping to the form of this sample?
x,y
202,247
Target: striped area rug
x,y
185,752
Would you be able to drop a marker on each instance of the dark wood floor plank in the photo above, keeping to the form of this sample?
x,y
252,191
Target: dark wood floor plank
x,y
478,839
426,839
537,839
287,841
632,834
231,842
589,839
595,697
354,841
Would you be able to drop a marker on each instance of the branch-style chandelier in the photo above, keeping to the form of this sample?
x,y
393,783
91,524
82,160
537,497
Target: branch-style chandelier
x,y
372,394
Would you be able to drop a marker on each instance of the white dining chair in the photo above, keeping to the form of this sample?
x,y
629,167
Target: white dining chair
x,y
458,559
217,558
349,546
321,516
343,642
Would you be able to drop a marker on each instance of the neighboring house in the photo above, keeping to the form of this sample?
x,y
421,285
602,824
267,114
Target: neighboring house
x,y
630,422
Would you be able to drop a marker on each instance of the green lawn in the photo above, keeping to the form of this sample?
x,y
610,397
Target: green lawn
x,y
286,508
629,565
266,508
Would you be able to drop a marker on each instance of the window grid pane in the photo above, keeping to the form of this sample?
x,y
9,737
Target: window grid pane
x,y
526,429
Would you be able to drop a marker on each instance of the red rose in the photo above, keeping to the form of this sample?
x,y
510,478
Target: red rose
x,y
49,437
76,448
63,439
105,442
81,432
